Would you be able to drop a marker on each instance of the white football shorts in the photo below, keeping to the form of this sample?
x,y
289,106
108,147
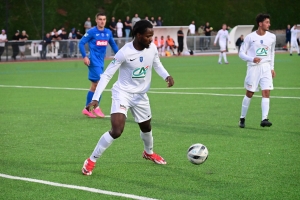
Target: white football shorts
x,y
138,104
222,46
259,75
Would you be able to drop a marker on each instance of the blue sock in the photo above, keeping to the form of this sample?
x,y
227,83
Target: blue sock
x,y
89,97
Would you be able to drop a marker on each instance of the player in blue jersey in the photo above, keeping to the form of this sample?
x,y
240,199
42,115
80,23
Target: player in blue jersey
x,y
97,38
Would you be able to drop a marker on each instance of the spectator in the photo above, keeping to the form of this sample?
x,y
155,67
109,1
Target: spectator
x,y
72,37
87,24
135,19
171,44
159,21
153,22
46,41
3,39
158,45
127,26
55,38
78,34
288,36
15,45
162,44
201,34
180,37
192,28
53,32
63,44
146,18
239,42
207,32
23,38
60,30
112,26
120,28
229,29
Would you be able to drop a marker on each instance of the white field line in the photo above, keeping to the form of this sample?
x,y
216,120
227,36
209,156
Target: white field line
x,y
94,190
156,92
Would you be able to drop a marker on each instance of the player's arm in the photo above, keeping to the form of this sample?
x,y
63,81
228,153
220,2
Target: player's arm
x,y
273,57
105,78
86,38
161,71
217,37
243,50
113,44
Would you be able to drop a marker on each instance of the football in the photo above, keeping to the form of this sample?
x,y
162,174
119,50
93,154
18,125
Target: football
x,y
197,154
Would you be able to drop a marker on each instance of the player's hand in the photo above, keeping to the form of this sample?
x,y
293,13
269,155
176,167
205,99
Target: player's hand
x,y
273,73
170,81
256,60
86,61
91,106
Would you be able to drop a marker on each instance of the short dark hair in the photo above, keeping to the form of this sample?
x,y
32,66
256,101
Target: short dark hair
x,y
100,14
141,27
261,17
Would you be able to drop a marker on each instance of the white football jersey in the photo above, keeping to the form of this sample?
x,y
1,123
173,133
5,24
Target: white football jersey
x,y
294,33
135,70
255,45
223,36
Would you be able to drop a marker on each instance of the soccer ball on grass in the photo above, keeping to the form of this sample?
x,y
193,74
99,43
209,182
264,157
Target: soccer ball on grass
x,y
197,154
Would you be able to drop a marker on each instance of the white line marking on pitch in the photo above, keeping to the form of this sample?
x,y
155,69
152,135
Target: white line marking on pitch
x,y
150,91
131,196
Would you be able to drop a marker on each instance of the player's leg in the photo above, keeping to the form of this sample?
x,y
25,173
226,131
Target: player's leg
x,y
220,57
223,51
266,84
141,112
251,86
293,45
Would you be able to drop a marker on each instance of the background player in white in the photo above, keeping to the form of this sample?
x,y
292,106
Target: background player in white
x,y
258,50
294,32
134,61
223,37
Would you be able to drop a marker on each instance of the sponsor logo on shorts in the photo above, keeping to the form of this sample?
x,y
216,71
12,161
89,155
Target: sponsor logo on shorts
x,y
101,43
122,107
249,86
140,72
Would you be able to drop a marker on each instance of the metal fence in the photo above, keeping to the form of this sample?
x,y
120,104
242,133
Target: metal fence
x,y
32,49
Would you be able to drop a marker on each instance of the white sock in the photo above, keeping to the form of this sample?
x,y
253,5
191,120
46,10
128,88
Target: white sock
x,y
104,142
148,141
265,106
224,56
245,106
220,57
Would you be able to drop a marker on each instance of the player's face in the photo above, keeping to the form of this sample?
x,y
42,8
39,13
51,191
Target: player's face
x,y
101,21
224,27
145,39
265,25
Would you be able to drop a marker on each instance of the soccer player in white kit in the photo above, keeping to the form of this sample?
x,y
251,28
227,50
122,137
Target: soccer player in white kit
x,y
134,61
223,36
258,49
294,32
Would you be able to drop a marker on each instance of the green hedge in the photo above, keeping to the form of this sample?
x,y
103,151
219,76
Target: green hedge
x,y
27,14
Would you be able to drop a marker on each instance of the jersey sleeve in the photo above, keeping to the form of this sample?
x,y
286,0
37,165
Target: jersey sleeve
x,y
216,39
113,43
86,38
243,50
108,74
159,68
273,53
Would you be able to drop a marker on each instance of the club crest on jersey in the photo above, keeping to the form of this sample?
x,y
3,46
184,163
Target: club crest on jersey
x,y
102,34
101,43
86,34
113,61
140,72
141,59
261,41
106,34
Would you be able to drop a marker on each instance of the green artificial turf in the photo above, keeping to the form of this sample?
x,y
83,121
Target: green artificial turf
x,y
44,136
